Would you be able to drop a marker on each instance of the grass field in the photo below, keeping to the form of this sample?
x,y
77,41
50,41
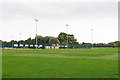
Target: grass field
x,y
61,63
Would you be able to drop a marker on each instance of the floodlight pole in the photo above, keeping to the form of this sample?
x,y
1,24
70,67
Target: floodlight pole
x,y
36,32
20,38
67,34
12,41
92,37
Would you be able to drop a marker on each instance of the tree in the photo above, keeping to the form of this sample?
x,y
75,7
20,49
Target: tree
x,y
118,43
51,40
40,40
29,40
71,39
63,37
46,40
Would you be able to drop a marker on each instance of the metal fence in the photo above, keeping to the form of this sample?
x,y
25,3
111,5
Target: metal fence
x,y
50,46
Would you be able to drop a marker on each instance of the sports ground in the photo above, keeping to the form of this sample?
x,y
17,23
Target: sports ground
x,y
60,63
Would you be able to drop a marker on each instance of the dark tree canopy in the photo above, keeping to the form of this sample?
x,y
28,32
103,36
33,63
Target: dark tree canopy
x,y
63,37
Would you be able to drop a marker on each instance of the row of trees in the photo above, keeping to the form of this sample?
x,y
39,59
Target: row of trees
x,y
62,38
40,40
111,44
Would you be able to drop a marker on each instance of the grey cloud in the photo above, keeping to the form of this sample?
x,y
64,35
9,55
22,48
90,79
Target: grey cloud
x,y
16,10
59,10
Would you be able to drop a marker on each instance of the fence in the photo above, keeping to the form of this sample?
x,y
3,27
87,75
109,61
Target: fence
x,y
51,46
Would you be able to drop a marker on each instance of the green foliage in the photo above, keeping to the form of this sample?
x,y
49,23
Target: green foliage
x,y
50,40
40,40
63,37
118,44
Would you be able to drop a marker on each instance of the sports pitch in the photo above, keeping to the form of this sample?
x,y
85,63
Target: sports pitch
x,y
60,63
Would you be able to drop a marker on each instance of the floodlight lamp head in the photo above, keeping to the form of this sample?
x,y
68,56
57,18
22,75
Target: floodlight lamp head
x,y
66,24
91,29
36,20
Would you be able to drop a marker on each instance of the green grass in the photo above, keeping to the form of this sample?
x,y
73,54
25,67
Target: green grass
x,y
61,63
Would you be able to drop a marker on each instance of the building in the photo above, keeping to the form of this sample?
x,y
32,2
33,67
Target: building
x,y
51,46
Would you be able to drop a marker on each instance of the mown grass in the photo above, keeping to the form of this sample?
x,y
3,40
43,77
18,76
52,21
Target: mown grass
x,y
61,63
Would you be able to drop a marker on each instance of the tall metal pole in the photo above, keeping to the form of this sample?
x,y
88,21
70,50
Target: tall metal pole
x,y
20,38
36,32
12,41
67,34
92,37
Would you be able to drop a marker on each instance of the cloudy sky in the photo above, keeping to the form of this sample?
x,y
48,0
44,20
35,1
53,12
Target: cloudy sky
x,y
17,16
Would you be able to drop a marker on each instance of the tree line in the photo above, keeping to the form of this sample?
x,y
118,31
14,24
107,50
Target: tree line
x,y
63,38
